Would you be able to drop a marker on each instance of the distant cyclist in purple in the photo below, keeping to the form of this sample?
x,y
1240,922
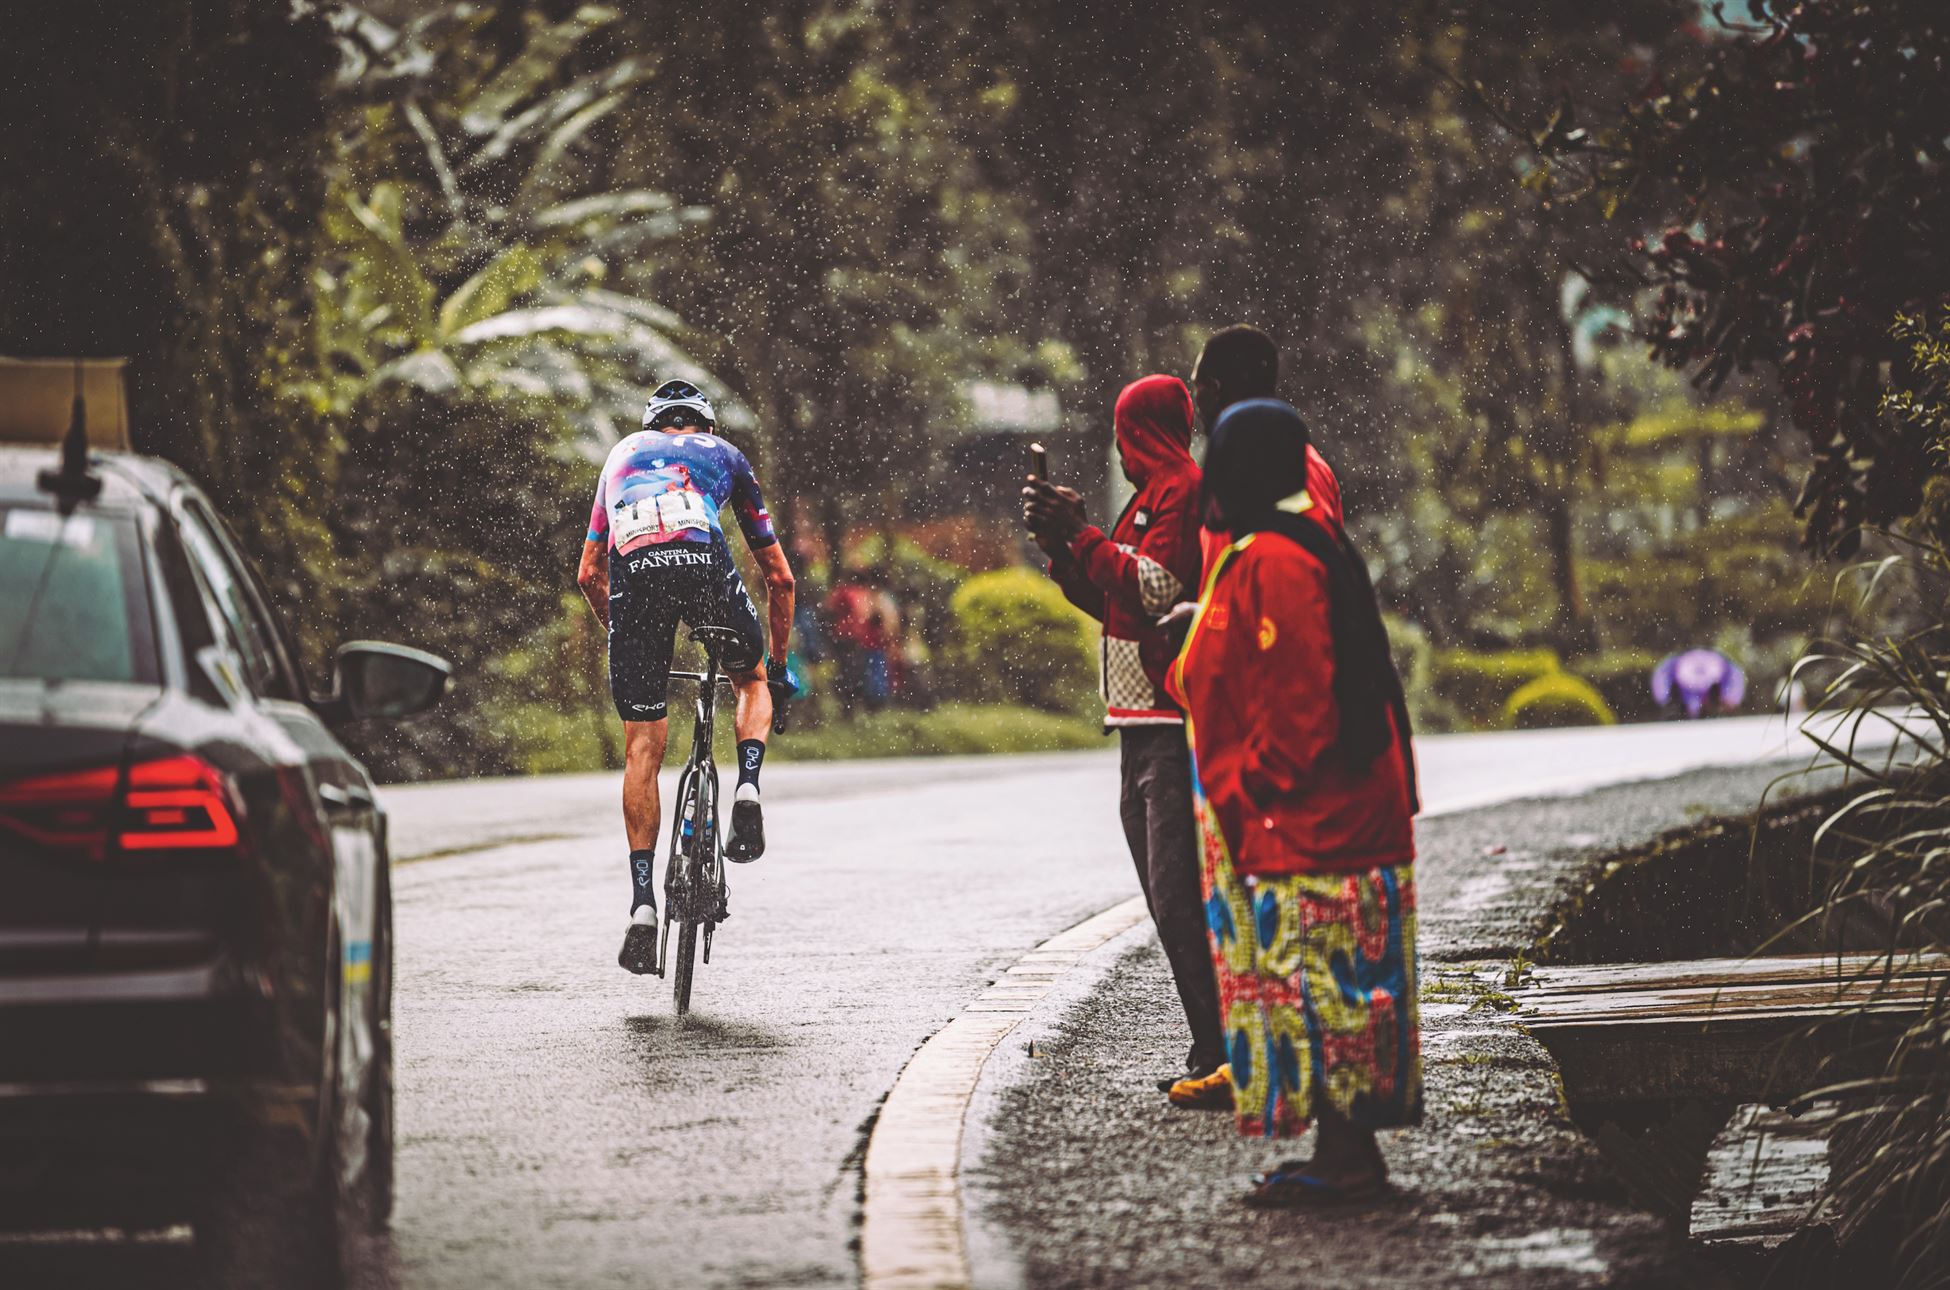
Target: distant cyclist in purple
x,y
656,553
1699,681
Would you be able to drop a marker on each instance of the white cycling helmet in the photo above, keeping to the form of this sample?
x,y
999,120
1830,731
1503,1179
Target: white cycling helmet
x,y
678,403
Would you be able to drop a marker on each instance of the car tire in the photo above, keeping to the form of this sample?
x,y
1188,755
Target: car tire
x,y
272,1217
379,1084
275,1214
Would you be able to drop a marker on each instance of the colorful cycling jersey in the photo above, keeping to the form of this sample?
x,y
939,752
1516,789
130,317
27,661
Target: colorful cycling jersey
x,y
659,488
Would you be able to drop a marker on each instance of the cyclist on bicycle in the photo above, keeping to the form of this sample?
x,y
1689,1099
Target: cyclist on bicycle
x,y
655,554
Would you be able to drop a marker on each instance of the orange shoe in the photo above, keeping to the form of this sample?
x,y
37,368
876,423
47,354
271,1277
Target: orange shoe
x,y
1204,1092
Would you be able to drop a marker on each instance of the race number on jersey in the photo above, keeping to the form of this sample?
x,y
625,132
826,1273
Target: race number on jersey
x,y
662,516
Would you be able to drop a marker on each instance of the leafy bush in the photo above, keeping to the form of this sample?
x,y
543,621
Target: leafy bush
x,y
1739,570
1014,639
1556,699
1476,685
1415,661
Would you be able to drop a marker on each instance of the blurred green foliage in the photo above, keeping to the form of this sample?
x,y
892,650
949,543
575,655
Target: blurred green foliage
x,y
1476,685
392,302
1016,640
958,729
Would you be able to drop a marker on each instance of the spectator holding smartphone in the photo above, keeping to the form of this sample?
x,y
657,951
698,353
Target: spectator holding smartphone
x,y
1127,579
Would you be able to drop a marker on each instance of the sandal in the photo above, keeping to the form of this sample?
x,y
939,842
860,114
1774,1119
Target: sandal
x,y
1294,1166
1299,1190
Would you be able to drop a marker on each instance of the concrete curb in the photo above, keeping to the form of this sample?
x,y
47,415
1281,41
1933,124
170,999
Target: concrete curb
x,y
912,1236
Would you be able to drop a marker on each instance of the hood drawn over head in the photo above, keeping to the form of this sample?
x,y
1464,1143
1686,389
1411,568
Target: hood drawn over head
x,y
1154,428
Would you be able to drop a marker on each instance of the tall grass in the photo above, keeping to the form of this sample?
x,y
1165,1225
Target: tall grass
x,y
1885,860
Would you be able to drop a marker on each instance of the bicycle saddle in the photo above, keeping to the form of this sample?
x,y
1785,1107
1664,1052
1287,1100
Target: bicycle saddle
x,y
716,640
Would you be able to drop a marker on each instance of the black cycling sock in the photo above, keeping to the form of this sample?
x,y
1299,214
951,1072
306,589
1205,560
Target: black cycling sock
x,y
642,890
751,755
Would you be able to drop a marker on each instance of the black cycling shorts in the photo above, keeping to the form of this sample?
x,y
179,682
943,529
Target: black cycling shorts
x,y
649,593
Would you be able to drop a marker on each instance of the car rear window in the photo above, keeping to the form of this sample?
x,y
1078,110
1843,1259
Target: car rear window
x,y
72,602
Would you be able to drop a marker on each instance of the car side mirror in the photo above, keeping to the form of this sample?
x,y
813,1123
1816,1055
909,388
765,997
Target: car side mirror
x,y
375,679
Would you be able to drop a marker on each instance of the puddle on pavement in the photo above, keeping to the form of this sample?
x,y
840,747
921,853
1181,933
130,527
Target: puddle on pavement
x,y
1737,1178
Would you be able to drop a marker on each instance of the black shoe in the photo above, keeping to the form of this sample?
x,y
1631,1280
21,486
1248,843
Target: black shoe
x,y
747,831
639,952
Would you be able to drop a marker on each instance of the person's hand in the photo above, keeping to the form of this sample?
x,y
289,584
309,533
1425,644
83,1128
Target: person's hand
x,y
1052,512
1179,612
783,680
1031,520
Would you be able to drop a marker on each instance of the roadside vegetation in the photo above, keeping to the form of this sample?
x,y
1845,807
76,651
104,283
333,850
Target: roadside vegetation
x,y
392,300
1798,170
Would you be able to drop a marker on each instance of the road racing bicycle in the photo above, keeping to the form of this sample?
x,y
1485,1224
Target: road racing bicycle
x,y
695,895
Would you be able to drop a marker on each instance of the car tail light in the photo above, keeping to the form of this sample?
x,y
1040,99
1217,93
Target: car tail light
x,y
178,803
66,811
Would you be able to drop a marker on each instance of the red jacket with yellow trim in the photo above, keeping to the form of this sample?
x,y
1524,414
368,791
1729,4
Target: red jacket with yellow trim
x,y
1256,676
1149,561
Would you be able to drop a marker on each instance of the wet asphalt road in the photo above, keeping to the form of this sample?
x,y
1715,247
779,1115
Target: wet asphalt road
x,y
559,1127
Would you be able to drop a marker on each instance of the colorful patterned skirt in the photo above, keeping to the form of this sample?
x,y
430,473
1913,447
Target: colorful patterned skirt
x,y
1317,988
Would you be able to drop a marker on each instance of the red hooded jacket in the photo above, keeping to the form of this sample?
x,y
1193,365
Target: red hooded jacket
x,y
1149,561
1256,675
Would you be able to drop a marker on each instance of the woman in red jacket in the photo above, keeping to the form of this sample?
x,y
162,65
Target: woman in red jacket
x,y
1305,796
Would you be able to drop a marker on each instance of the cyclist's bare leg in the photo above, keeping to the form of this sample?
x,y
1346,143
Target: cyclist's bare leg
x,y
643,755
754,719
754,723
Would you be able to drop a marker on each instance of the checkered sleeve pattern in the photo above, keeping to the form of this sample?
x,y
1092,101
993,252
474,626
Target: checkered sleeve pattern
x,y
1125,684
1158,590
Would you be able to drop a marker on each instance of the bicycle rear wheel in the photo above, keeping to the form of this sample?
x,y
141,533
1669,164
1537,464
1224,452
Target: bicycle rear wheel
x,y
686,959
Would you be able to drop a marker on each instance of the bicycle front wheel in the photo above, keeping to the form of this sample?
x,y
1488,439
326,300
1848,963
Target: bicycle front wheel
x,y
686,951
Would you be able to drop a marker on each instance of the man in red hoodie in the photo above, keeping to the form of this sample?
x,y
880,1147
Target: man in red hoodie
x,y
1127,580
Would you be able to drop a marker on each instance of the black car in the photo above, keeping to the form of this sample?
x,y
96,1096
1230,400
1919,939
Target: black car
x,y
195,919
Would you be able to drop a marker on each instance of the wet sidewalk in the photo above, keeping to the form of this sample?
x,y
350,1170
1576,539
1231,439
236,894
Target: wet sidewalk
x,y
1085,1177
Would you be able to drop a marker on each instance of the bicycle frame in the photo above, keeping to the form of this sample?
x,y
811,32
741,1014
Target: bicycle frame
x,y
691,896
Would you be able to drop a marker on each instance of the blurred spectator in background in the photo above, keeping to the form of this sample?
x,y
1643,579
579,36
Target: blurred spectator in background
x,y
862,625
1697,683
911,657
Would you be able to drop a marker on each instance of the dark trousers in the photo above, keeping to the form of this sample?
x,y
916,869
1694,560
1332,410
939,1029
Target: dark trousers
x,y
1156,804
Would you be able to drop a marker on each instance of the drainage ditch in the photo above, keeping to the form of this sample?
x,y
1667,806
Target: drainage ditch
x,y
1706,1124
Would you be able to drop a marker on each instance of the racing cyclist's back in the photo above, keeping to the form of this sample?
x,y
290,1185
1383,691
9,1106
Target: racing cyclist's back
x,y
656,555
662,493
